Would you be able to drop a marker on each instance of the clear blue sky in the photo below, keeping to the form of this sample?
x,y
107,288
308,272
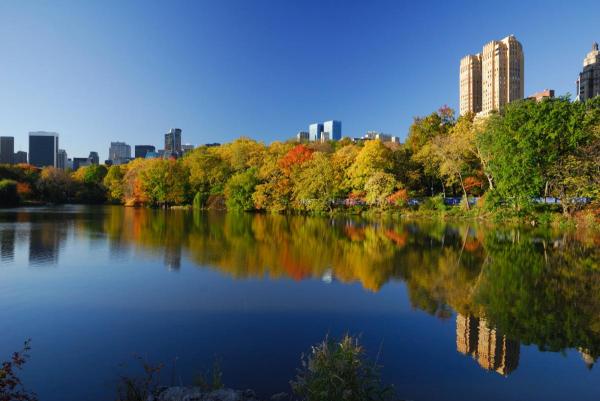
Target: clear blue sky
x,y
100,71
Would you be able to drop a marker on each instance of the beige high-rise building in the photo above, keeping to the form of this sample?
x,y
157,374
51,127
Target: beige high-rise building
x,y
470,84
501,79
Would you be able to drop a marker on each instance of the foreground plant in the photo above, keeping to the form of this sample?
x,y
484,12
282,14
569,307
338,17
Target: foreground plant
x,y
339,370
11,386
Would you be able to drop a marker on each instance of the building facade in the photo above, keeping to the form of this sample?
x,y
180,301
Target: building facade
x,y
94,158
500,68
173,141
20,157
545,94
314,131
302,136
62,161
332,130
588,83
142,150
7,149
470,84
43,148
119,151
80,162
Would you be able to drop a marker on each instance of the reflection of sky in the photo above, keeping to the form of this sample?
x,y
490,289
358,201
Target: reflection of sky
x,y
92,311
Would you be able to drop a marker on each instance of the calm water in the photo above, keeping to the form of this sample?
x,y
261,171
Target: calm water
x,y
459,312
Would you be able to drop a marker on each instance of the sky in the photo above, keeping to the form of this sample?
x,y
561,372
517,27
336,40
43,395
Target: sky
x,y
102,71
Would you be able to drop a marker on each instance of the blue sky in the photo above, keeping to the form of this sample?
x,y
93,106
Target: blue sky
x,y
100,71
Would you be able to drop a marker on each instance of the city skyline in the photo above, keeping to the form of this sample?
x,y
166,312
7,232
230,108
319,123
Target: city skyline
x,y
378,80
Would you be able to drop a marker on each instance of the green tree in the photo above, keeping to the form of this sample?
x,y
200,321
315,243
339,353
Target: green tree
x,y
165,182
239,190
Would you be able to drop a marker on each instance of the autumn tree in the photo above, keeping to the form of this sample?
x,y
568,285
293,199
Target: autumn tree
x,y
315,184
373,157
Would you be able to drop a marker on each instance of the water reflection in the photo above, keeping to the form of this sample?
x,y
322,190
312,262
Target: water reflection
x,y
539,287
492,350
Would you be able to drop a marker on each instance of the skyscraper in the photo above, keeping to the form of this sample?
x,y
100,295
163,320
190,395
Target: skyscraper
x,y
119,151
94,158
173,141
7,149
315,130
501,69
588,83
332,130
142,150
470,84
43,148
61,159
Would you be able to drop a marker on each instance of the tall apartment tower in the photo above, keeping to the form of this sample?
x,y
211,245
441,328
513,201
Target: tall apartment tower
x,y
502,67
470,84
588,83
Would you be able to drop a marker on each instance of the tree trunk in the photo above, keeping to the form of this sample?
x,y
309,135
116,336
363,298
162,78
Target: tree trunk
x,y
489,178
464,191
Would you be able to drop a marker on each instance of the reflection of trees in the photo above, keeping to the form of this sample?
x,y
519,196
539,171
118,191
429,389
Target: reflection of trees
x,y
530,286
543,292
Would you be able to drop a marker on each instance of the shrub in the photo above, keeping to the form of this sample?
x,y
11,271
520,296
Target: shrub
x,y
339,370
8,193
11,386
434,203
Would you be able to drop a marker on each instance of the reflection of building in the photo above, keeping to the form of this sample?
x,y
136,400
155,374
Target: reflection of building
x,y
492,350
7,244
587,357
467,331
44,243
173,257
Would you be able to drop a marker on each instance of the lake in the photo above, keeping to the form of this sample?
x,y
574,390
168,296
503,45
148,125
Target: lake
x,y
456,312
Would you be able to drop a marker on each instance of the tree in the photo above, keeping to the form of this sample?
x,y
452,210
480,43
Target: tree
x,y
8,193
373,157
208,171
113,182
54,185
89,186
341,161
165,182
453,153
379,187
315,184
239,190
575,177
